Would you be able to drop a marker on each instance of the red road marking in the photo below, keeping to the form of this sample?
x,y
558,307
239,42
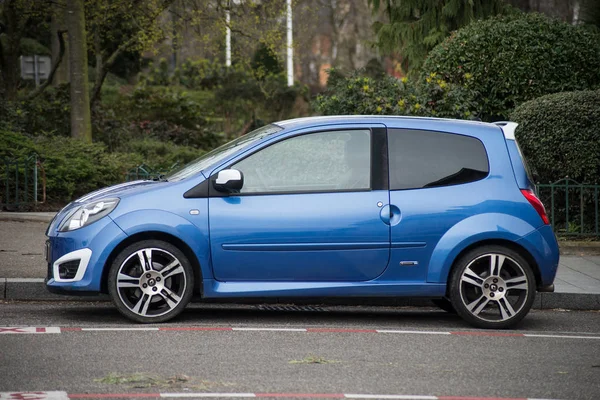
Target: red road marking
x,y
14,330
195,329
486,334
28,396
303,395
326,330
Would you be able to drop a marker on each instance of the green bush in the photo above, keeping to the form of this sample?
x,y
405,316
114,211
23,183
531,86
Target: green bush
x,y
508,60
386,95
239,95
160,155
72,167
170,114
560,136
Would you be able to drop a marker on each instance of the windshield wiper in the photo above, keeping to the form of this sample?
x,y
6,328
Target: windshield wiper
x,y
160,178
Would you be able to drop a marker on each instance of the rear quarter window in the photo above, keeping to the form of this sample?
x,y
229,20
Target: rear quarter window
x,y
423,159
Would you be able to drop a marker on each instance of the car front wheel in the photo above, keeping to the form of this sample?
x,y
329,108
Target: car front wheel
x,y
492,287
151,281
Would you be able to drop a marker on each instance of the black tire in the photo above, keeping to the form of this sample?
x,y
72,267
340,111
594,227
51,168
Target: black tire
x,y
444,304
156,281
492,287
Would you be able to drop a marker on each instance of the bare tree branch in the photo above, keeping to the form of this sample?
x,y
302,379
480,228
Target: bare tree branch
x,y
61,53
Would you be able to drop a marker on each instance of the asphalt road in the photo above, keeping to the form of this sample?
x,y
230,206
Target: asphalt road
x,y
329,350
22,249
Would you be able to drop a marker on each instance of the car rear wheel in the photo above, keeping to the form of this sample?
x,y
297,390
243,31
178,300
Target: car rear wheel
x,y
492,287
151,281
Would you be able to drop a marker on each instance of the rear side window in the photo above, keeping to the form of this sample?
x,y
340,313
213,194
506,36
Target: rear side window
x,y
424,159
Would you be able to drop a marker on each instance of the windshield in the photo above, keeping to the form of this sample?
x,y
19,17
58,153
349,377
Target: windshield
x,y
221,152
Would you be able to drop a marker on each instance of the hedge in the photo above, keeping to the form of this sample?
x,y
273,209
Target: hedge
x,y
508,60
560,135
360,93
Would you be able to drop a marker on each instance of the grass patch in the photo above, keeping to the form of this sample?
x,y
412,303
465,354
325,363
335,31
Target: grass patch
x,y
313,360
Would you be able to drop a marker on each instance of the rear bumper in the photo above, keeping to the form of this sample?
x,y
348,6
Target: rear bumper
x,y
542,245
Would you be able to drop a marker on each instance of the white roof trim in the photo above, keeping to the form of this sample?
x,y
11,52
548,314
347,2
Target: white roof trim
x,y
508,128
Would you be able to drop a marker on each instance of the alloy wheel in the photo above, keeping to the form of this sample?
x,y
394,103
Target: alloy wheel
x,y
151,282
494,287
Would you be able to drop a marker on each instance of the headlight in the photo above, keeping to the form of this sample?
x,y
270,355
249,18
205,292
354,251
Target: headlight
x,y
87,214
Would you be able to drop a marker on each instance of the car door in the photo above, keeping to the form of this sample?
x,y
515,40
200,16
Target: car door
x,y
433,185
309,210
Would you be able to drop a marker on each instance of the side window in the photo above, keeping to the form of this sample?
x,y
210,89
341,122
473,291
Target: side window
x,y
423,159
324,161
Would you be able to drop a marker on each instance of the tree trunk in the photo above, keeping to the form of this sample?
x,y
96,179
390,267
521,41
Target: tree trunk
x,y
10,65
58,24
81,125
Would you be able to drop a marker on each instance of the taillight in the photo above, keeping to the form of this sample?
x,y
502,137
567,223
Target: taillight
x,y
537,204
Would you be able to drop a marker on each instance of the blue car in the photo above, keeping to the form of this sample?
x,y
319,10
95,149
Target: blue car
x,y
348,206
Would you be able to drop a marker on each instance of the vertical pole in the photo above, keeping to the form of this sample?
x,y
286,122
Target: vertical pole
x,y
228,36
596,208
35,182
36,72
17,182
552,205
290,49
26,191
6,199
567,209
581,206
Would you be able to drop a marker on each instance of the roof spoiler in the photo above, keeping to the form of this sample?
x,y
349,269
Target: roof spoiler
x,y
508,128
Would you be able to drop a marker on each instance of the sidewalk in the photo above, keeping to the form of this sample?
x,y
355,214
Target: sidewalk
x,y
23,268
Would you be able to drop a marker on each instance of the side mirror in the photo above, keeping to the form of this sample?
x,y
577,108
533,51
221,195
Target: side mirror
x,y
229,181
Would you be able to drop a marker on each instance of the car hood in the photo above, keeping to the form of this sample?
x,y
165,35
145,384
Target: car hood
x,y
119,190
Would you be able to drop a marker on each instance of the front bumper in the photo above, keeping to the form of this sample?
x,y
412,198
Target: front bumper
x,y
91,247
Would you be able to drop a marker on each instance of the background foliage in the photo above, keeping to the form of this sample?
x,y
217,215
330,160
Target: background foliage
x,y
360,93
559,135
508,60
414,27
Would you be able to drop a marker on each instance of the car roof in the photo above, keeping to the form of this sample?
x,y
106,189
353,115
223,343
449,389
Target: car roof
x,y
387,120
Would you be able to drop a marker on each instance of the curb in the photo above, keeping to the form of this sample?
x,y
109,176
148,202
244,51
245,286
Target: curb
x,y
32,289
27,216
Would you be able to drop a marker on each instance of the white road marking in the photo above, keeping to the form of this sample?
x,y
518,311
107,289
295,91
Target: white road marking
x,y
271,329
415,332
560,336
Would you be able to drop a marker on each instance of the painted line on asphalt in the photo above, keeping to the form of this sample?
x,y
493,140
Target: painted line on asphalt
x,y
54,329
413,332
24,280
559,336
28,329
60,395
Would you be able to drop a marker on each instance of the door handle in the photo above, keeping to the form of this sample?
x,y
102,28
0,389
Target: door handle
x,y
385,214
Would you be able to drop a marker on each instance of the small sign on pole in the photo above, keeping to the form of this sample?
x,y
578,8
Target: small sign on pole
x,y
36,67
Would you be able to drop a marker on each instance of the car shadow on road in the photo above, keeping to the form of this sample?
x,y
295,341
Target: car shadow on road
x,y
289,316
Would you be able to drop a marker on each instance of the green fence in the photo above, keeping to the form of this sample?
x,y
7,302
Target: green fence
x,y
573,207
19,183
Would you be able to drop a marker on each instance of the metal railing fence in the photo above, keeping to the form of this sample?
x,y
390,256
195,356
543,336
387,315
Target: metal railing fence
x,y
573,208
19,181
